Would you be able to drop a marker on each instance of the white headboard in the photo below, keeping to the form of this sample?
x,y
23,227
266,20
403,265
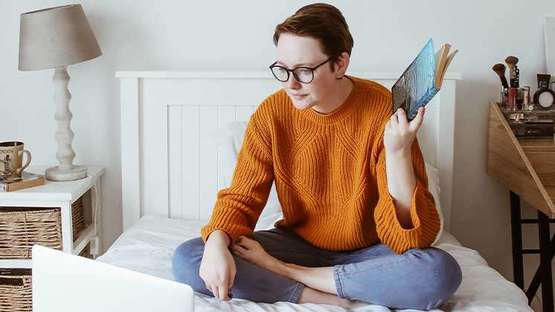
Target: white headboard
x,y
169,158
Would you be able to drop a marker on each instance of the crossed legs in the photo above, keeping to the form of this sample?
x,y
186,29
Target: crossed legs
x,y
319,281
279,266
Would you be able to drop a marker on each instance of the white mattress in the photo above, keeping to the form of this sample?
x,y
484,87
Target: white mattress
x,y
148,246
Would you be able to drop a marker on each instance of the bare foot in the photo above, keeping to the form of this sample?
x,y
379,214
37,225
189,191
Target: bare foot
x,y
310,295
346,303
251,250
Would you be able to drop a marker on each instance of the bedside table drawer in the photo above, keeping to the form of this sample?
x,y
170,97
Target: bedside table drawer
x,y
16,286
86,252
16,293
22,227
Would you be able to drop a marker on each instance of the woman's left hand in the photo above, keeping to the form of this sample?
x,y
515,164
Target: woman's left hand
x,y
399,133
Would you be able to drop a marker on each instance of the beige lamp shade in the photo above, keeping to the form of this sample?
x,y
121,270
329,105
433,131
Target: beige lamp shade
x,y
55,37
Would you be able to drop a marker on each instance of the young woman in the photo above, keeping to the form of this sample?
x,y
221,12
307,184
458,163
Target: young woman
x,y
358,219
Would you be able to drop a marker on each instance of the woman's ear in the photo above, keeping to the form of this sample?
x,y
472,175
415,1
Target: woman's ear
x,y
342,64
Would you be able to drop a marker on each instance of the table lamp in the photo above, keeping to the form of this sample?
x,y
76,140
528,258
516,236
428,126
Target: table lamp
x,y
55,38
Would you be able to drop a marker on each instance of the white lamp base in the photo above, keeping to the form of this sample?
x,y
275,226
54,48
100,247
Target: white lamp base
x,y
73,173
66,171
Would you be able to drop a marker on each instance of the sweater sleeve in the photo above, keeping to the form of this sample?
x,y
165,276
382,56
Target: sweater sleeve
x,y
423,213
239,206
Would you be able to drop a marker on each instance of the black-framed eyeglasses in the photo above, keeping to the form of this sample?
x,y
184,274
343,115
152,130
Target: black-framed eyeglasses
x,y
302,74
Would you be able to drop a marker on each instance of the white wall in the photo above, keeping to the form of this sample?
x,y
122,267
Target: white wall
x,y
237,35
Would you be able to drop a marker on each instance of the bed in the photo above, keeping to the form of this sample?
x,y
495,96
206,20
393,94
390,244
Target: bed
x,y
180,132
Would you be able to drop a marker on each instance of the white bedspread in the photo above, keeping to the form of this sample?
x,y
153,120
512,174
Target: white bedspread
x,y
148,247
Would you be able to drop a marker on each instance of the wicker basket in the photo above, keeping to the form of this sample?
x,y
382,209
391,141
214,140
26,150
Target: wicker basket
x,y
15,290
86,252
16,287
21,228
78,218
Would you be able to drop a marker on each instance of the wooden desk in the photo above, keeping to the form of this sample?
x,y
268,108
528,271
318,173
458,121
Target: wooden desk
x,y
526,166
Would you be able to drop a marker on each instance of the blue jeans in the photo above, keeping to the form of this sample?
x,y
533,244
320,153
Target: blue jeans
x,y
417,279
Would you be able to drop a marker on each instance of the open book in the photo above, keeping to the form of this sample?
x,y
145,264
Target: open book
x,y
422,79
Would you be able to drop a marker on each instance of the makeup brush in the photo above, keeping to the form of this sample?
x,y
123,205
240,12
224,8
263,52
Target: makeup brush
x,y
511,60
514,71
499,69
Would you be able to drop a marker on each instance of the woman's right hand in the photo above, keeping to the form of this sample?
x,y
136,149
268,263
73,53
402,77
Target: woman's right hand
x,y
217,268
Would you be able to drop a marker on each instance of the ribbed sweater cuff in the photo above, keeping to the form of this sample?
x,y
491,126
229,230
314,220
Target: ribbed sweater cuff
x,y
424,217
233,230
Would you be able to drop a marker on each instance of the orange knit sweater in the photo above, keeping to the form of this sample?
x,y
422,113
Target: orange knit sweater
x,y
330,176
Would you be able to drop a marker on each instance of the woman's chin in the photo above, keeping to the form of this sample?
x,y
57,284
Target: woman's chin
x,y
302,104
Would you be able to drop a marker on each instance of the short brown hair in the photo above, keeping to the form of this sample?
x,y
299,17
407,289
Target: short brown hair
x,y
323,22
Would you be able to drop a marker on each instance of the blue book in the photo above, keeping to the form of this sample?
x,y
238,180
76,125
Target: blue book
x,y
422,79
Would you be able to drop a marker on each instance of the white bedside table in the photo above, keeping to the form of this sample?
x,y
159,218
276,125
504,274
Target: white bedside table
x,y
62,195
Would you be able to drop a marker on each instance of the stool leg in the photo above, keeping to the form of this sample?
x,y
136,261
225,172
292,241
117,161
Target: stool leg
x,y
545,257
516,230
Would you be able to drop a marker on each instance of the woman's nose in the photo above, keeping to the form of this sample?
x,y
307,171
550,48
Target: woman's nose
x,y
292,83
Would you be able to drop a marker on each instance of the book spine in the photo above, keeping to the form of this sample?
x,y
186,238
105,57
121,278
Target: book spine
x,y
428,96
423,101
15,186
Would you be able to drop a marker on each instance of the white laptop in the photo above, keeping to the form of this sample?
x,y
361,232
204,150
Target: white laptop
x,y
64,282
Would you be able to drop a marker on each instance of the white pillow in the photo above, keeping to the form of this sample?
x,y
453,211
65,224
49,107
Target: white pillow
x,y
433,186
230,139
